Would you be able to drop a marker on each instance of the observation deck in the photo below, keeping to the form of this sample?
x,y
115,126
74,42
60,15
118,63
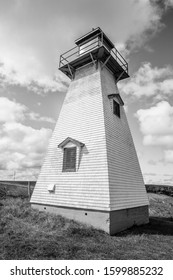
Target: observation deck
x,y
92,47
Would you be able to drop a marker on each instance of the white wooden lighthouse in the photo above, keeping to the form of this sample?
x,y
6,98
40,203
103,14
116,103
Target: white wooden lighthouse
x,y
91,171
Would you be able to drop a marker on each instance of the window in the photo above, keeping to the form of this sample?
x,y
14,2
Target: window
x,y
69,159
116,108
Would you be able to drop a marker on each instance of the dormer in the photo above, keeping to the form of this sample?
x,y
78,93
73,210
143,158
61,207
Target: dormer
x,y
71,154
116,102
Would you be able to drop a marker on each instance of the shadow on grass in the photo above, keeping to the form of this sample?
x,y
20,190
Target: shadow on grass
x,y
156,225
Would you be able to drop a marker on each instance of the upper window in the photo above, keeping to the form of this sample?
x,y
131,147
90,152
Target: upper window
x,y
69,159
116,108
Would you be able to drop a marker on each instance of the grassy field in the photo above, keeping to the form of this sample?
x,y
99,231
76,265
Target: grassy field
x,y
26,233
17,189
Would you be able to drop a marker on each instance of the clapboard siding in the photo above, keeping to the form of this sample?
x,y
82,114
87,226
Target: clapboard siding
x,y
127,188
108,176
81,118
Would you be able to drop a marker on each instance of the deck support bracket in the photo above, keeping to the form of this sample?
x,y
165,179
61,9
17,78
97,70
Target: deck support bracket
x,y
71,70
93,61
105,62
119,77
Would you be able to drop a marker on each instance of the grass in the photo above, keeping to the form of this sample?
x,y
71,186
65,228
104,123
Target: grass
x,y
161,206
26,233
16,189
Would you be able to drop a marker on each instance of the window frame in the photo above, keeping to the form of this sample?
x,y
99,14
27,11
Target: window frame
x,y
65,167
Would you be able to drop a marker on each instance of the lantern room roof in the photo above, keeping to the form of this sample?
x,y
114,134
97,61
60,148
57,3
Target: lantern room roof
x,y
92,34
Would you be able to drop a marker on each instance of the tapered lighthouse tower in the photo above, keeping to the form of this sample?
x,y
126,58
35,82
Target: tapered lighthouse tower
x,y
91,171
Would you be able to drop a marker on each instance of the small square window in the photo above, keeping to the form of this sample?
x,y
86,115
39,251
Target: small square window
x,y
69,159
116,108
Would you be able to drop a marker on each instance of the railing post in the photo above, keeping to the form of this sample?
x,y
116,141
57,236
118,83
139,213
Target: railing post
x,y
102,38
60,61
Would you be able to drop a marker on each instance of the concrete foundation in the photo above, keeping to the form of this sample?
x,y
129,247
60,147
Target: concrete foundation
x,y
110,221
126,218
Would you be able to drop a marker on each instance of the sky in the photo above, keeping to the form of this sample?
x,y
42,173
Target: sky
x,y
33,34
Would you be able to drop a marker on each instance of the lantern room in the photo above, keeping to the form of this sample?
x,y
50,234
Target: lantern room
x,y
93,47
94,39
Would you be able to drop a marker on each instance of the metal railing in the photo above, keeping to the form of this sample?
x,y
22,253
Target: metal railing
x,y
88,47
120,59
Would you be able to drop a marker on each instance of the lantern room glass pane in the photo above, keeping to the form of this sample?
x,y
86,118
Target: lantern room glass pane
x,y
90,45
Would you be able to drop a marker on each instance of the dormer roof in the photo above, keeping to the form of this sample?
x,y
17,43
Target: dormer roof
x,y
69,139
116,95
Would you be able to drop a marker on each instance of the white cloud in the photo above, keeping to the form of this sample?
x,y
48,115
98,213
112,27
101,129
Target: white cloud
x,y
168,3
22,146
159,179
155,140
148,81
168,156
35,80
157,120
11,111
26,53
156,124
166,86
34,33
36,117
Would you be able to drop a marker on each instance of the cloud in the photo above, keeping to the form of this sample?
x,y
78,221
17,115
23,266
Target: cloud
x,y
28,52
155,178
156,125
33,79
168,156
152,162
155,140
12,111
34,33
36,117
22,146
148,81
168,3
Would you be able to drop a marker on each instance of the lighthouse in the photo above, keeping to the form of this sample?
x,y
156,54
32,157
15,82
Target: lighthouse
x,y
91,171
